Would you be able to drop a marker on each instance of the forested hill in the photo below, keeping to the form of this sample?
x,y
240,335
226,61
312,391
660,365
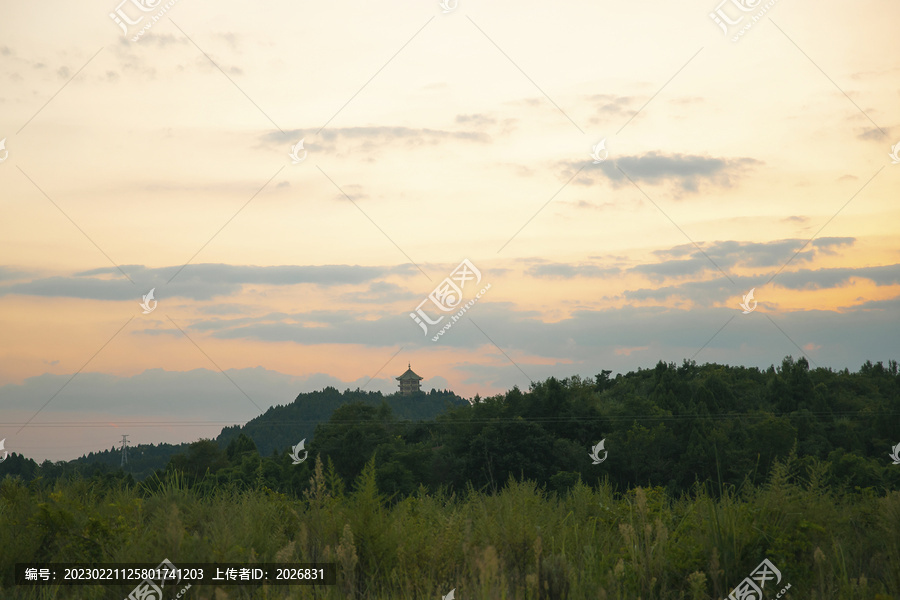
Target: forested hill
x,y
278,428
670,426
282,427
143,459
666,426
706,470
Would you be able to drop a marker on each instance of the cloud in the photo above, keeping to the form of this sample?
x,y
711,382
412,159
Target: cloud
x,y
312,327
870,134
380,292
729,254
673,268
701,293
568,271
818,279
157,38
608,105
10,274
476,120
198,282
687,262
709,292
373,137
589,339
685,171
616,338
231,39
827,244
890,305
223,308
525,329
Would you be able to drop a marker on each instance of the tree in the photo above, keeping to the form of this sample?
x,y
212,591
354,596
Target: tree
x,y
202,456
238,447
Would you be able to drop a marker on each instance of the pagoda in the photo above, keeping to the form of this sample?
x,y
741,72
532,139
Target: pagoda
x,y
409,382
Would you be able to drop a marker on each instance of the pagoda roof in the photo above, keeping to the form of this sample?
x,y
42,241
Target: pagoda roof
x,y
409,375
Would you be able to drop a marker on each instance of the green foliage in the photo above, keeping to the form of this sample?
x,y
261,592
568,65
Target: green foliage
x,y
520,542
281,427
710,469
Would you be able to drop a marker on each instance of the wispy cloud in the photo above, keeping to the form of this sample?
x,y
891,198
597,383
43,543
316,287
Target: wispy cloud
x,y
685,172
197,282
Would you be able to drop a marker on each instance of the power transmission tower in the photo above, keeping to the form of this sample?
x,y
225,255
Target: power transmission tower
x,y
124,450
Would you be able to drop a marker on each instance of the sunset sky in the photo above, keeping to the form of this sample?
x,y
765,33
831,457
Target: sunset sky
x,y
430,138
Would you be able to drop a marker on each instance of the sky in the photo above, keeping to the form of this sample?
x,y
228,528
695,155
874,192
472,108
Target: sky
x,y
549,189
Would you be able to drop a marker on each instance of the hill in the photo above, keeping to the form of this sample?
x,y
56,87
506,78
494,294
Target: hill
x,y
706,472
278,428
281,427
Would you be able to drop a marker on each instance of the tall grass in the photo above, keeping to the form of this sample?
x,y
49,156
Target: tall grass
x,y
521,542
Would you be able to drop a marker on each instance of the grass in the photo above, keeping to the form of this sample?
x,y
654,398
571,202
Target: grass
x,y
521,542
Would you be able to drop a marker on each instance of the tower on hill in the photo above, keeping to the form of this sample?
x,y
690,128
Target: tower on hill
x,y
409,382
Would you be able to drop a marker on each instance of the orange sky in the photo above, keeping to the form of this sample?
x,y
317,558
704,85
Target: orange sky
x,y
431,138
